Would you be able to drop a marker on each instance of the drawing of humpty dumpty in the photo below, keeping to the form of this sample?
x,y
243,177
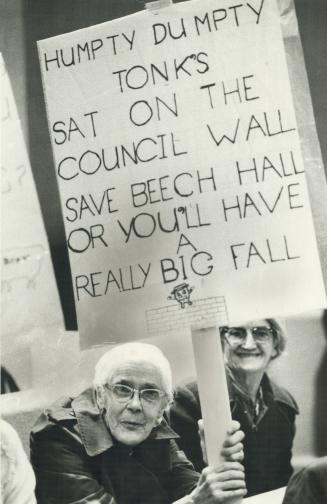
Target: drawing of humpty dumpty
x,y
181,293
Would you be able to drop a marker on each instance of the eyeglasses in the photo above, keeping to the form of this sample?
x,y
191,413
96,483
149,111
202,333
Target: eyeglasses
x,y
237,335
124,393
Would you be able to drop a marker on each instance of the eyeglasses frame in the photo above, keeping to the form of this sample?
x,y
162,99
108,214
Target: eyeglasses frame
x,y
133,390
223,332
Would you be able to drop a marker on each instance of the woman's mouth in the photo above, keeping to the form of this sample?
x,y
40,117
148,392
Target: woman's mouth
x,y
132,425
249,354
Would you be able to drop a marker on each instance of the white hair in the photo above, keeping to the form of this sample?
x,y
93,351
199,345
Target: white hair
x,y
135,351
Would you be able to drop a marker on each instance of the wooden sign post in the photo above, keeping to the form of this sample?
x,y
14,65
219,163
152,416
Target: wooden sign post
x,y
213,390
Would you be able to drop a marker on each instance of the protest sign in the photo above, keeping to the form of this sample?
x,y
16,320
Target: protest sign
x,y
27,277
29,297
180,171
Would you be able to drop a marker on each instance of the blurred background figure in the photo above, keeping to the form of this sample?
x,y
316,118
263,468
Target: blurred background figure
x,y
17,477
308,486
265,411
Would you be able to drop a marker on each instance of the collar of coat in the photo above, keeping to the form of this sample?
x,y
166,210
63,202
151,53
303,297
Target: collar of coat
x,y
271,392
94,433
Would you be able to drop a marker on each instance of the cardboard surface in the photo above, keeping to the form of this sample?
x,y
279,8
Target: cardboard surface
x,y
29,296
180,170
213,391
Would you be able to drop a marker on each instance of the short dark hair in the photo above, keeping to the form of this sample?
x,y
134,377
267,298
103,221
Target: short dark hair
x,y
279,336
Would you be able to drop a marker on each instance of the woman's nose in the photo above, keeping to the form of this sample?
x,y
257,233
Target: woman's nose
x,y
135,402
249,341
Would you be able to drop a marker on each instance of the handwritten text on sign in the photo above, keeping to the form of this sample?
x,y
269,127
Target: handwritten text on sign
x,y
179,166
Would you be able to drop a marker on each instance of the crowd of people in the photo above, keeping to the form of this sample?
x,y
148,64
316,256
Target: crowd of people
x,y
131,438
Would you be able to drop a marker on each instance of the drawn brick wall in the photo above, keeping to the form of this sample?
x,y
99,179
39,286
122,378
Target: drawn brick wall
x,y
172,317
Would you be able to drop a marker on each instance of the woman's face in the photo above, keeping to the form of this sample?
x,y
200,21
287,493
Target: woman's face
x,y
249,347
131,421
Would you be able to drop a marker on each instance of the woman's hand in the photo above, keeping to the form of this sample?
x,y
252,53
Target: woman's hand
x,y
232,449
218,485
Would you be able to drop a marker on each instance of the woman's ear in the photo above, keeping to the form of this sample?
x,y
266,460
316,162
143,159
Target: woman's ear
x,y
274,353
164,407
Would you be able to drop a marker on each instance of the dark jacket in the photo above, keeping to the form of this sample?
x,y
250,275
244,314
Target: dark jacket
x,y
267,444
309,485
76,461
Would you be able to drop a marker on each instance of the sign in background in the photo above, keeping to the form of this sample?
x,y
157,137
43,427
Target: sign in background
x,y
180,171
29,297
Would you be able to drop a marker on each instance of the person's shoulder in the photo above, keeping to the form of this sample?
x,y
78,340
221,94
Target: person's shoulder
x,y
318,468
308,483
283,396
186,403
52,417
10,441
187,392
7,431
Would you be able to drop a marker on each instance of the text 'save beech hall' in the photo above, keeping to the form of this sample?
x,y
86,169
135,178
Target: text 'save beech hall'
x,y
181,177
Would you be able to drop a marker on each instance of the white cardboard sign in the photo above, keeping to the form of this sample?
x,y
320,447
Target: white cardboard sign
x,y
29,296
180,171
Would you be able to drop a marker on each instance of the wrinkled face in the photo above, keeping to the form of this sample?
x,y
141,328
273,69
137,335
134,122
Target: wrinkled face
x,y
249,347
131,421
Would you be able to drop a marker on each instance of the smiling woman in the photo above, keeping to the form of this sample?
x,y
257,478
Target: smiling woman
x,y
265,411
248,350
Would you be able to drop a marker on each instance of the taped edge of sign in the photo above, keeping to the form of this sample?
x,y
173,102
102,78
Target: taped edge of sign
x,y
309,142
157,4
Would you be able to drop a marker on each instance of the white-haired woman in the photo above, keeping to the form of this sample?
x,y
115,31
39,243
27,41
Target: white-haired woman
x,y
265,411
111,444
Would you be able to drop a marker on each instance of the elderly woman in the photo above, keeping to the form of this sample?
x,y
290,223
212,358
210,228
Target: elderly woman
x,y
265,411
111,444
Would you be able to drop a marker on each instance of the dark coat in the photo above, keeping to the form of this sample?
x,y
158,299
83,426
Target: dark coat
x,y
76,461
267,445
309,485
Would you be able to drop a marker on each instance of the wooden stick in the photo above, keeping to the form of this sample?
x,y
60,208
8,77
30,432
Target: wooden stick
x,y
213,391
